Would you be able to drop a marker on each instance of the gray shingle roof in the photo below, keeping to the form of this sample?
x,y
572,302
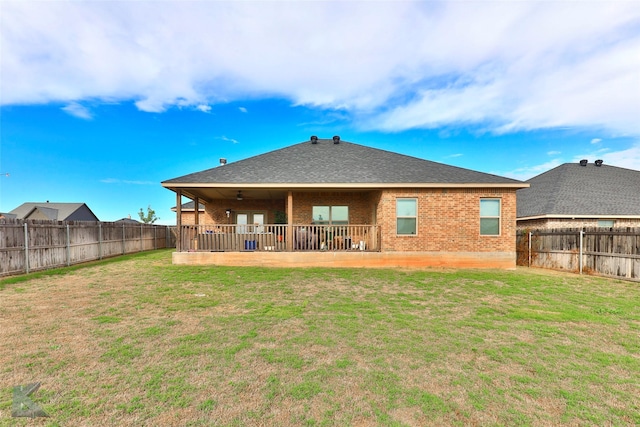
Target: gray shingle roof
x,y
572,189
343,163
190,206
56,211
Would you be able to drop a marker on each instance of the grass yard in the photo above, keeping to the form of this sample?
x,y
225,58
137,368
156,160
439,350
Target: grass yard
x,y
137,341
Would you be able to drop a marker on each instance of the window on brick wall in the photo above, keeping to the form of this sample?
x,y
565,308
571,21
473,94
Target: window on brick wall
x,y
489,217
608,223
406,216
334,215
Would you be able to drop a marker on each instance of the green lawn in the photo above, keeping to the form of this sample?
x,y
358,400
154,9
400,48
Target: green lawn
x,y
138,341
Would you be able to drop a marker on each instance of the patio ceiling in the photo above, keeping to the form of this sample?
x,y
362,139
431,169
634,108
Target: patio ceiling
x,y
209,194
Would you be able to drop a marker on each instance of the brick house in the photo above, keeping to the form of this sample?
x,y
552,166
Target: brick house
x,y
578,195
336,203
188,213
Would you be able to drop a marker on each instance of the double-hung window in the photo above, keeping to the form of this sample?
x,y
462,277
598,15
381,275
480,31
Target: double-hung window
x,y
406,216
489,217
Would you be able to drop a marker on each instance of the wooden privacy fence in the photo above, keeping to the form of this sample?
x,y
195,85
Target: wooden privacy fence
x,y
611,252
31,245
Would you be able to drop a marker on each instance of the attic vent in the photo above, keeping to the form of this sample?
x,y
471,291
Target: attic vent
x,y
336,139
223,161
314,139
584,162
598,162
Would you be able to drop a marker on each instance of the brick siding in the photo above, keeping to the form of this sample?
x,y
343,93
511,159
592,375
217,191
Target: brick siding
x,y
448,219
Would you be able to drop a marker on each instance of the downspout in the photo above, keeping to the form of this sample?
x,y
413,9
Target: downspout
x,y
581,249
530,234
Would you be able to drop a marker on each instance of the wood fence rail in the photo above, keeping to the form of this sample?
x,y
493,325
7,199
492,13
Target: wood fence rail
x,y
32,245
613,252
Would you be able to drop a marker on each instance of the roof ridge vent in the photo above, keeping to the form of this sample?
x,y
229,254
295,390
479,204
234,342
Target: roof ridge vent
x,y
598,162
336,139
314,139
584,162
223,161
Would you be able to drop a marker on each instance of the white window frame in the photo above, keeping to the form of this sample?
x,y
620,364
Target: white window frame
x,y
498,217
610,223
330,220
415,217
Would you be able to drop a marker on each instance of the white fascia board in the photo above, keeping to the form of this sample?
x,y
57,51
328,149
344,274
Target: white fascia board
x,y
290,186
551,216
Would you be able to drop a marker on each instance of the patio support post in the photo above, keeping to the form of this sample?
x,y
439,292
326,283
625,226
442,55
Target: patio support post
x,y
289,221
179,220
197,211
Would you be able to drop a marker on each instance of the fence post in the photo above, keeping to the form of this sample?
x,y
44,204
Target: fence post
x,y
155,238
68,247
26,247
581,250
141,238
123,238
99,240
530,234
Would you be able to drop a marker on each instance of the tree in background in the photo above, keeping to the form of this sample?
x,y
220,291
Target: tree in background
x,y
150,217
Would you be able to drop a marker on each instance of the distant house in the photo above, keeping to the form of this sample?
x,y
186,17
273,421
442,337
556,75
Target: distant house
x,y
345,204
4,215
128,220
54,212
188,212
576,195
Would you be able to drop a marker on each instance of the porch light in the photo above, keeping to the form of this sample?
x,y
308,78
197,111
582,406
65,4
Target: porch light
x,y
228,212
239,196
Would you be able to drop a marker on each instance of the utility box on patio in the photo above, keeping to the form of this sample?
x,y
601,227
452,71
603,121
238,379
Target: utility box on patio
x,y
249,245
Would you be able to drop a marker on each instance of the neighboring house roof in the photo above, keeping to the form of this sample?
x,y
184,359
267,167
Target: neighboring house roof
x,y
189,206
128,221
55,211
573,190
7,215
344,163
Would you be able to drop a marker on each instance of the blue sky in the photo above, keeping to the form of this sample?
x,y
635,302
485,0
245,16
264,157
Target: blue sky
x,y
101,101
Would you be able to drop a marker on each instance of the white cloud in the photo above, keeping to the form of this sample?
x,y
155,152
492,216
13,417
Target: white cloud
x,y
528,172
243,110
224,138
627,158
78,111
497,66
553,153
204,108
596,140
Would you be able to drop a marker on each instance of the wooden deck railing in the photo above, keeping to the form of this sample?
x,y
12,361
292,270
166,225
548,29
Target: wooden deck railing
x,y
268,237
